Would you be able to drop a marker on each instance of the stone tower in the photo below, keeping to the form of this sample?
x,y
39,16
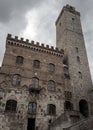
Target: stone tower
x,y
69,36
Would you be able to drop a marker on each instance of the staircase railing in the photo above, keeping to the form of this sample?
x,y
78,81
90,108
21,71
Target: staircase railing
x,y
79,123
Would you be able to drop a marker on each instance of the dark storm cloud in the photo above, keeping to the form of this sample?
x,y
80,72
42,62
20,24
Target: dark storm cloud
x,y
8,8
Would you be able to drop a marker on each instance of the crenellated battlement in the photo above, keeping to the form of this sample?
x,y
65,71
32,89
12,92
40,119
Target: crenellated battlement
x,y
36,46
68,8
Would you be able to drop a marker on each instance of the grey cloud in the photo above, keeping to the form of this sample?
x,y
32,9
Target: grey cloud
x,y
8,8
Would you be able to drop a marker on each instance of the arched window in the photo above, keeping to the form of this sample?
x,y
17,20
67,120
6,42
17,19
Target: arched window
x,y
16,79
51,85
68,105
35,82
19,59
36,64
51,67
32,106
11,105
51,109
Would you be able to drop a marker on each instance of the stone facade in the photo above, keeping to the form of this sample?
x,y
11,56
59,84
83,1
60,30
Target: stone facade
x,y
22,92
41,87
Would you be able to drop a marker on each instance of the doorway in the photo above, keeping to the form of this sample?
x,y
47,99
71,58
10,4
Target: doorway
x,y
31,124
68,106
83,107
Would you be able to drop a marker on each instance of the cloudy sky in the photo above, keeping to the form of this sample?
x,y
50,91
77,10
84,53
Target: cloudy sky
x,y
35,20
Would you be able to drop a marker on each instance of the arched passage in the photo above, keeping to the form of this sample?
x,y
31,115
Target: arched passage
x,y
83,107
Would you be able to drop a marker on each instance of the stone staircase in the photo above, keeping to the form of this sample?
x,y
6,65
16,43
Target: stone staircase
x,y
84,124
72,120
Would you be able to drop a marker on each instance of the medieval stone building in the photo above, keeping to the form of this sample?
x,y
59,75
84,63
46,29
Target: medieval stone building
x,y
43,87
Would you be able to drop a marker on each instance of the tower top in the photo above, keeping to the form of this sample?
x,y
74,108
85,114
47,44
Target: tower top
x,y
69,9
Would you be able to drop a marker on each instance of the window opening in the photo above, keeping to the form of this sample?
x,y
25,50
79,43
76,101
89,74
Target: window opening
x,y
68,105
68,95
32,107
16,79
11,105
51,85
80,75
76,49
51,109
35,82
66,72
36,64
19,60
51,67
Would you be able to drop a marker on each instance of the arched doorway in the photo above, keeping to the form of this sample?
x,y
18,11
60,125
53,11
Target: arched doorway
x,y
83,107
